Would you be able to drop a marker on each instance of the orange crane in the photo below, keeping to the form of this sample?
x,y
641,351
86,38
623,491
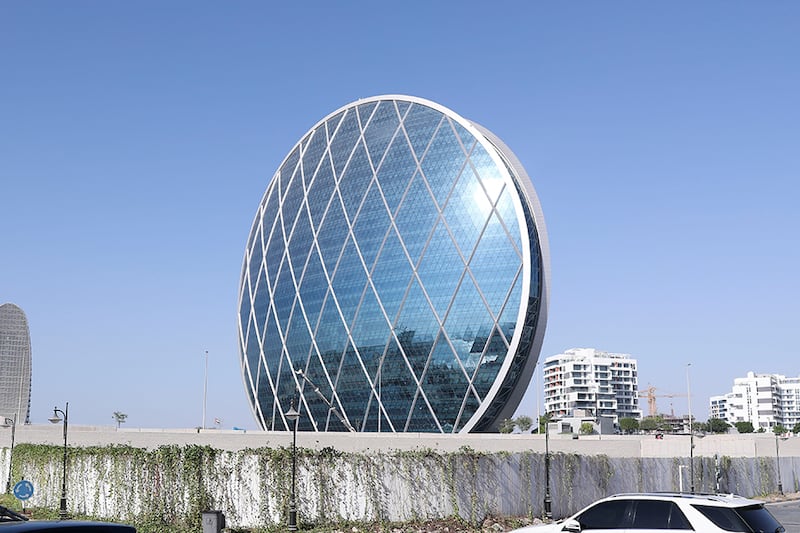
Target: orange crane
x,y
650,394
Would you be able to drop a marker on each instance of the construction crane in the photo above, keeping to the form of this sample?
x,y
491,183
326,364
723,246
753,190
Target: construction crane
x,y
650,394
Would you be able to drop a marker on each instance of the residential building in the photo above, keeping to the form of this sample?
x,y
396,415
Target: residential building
x,y
588,380
764,400
395,278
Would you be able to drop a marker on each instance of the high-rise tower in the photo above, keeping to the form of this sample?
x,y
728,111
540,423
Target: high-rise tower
x,y
15,364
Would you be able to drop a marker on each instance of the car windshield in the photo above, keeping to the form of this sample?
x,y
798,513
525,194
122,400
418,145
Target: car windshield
x,y
750,519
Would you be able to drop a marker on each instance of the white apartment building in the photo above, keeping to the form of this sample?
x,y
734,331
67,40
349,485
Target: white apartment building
x,y
585,380
764,400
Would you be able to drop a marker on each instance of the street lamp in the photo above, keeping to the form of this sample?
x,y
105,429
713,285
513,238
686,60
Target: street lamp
x,y
55,419
292,415
691,430
778,464
10,422
548,513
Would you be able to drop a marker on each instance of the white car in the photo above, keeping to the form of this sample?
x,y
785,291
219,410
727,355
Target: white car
x,y
701,513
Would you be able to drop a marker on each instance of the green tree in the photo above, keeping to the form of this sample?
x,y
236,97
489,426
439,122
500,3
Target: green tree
x,y
628,425
717,425
587,428
544,420
651,423
524,423
507,426
119,417
779,429
796,428
744,427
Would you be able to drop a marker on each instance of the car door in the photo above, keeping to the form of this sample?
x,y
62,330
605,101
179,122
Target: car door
x,y
606,516
651,516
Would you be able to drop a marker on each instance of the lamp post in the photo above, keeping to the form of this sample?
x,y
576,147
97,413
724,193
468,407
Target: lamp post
x,y
778,464
292,415
691,430
548,512
12,422
55,419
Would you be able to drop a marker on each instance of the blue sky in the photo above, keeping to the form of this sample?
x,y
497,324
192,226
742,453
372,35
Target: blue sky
x,y
136,140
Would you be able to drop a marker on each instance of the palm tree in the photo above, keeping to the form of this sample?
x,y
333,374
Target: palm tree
x,y
120,417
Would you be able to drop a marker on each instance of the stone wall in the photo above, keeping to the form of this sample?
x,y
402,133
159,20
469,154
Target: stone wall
x,y
173,482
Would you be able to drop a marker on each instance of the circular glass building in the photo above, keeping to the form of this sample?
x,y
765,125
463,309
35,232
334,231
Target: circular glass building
x,y
395,278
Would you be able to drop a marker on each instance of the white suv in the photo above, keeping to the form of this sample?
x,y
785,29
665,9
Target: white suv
x,y
702,513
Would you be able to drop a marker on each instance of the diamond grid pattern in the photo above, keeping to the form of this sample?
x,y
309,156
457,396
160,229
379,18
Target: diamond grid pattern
x,y
373,269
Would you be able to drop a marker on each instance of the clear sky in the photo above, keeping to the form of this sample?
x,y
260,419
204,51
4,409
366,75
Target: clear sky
x,y
137,138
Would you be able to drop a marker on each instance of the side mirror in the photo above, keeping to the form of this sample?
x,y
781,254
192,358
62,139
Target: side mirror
x,y
573,526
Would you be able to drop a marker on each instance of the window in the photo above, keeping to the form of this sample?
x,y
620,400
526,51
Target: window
x,y
724,518
612,514
657,514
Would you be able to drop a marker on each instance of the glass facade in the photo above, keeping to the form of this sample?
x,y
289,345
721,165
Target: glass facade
x,y
15,364
395,276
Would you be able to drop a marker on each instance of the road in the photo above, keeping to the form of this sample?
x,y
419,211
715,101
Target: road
x,y
788,514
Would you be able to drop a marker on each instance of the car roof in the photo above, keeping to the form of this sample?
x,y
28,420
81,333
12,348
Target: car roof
x,y
717,500
75,526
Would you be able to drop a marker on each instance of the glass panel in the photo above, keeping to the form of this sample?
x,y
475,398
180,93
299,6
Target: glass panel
x,y
505,208
416,328
463,211
443,163
349,282
391,275
466,137
421,122
470,406
440,270
288,169
370,332
491,177
355,180
371,226
494,249
381,129
298,341
402,106
344,141
301,241
445,385
283,298
313,154
353,388
422,419
470,321
317,377
396,387
416,218
365,112
275,249
272,347
313,289
332,235
495,350
320,192
396,171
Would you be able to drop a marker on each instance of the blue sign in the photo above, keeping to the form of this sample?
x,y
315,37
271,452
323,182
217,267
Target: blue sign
x,y
23,490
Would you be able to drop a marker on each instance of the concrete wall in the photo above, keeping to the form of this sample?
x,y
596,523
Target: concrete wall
x,y
378,477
